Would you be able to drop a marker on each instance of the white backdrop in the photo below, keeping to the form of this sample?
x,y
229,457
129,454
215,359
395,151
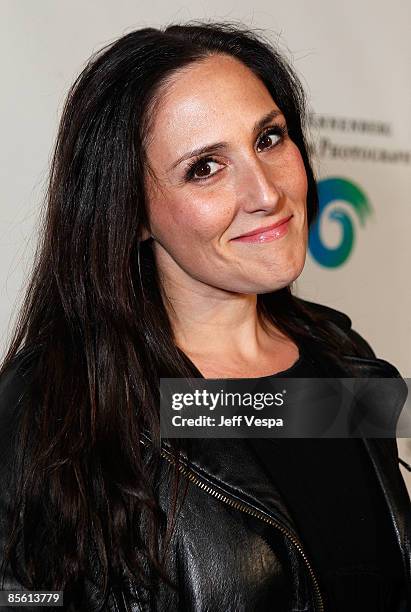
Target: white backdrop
x,y
354,58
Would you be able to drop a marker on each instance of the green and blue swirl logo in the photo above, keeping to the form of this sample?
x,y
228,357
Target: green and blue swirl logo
x,y
331,191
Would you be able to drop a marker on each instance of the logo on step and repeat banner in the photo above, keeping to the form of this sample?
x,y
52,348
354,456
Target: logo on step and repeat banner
x,y
330,192
342,200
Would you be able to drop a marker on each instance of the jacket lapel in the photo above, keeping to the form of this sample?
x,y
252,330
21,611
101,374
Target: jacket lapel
x,y
383,453
230,466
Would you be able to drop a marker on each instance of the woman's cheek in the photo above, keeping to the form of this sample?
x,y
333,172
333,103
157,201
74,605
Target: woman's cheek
x,y
208,219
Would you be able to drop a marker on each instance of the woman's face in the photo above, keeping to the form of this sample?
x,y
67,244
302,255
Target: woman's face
x,y
200,204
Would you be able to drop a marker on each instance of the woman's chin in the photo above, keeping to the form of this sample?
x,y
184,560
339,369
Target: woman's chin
x,y
269,283
267,286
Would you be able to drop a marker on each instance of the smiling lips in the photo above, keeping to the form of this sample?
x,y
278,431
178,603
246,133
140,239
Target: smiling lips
x,y
266,234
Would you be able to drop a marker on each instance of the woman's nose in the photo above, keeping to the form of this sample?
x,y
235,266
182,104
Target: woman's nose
x,y
258,187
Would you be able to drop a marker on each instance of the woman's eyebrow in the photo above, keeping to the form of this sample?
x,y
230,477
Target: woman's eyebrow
x,y
217,146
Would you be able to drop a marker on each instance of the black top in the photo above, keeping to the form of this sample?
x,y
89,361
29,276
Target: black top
x,y
332,493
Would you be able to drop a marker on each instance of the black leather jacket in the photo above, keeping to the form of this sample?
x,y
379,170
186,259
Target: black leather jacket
x,y
235,547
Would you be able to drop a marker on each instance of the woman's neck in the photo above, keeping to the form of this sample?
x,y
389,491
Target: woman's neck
x,y
228,337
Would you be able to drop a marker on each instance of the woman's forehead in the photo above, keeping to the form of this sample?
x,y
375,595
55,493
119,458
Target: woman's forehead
x,y
208,96
210,81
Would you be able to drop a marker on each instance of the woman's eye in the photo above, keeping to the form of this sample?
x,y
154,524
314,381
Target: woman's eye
x,y
272,136
202,169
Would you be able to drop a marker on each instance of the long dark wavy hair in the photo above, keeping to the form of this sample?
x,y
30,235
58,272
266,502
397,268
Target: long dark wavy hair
x,y
97,336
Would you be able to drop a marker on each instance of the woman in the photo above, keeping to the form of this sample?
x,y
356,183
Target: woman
x,y
174,145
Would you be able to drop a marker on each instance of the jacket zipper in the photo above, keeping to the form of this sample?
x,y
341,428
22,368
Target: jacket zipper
x,y
253,512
